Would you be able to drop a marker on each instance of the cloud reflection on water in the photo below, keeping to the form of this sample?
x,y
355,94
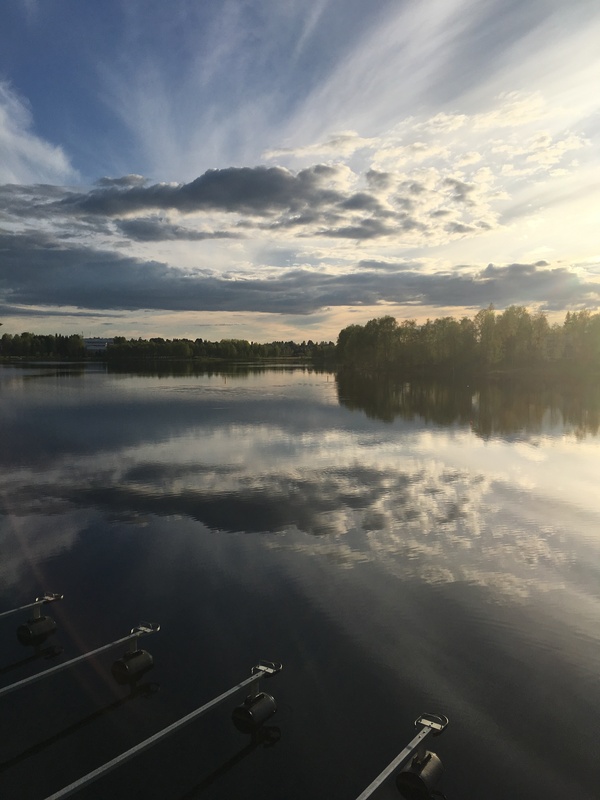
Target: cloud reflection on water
x,y
427,501
28,541
418,511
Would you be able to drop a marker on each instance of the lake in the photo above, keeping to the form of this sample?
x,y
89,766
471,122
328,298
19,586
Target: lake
x,y
399,547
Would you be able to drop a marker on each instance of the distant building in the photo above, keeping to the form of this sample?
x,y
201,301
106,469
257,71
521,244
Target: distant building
x,y
96,344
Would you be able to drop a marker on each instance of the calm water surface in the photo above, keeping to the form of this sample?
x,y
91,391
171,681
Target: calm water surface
x,y
400,548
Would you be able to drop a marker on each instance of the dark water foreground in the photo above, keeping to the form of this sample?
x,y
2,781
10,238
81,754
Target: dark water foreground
x,y
400,548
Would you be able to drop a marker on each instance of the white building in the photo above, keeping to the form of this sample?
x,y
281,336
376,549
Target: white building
x,y
96,344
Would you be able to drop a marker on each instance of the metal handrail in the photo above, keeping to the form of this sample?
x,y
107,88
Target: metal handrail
x,y
142,629
37,603
261,670
431,724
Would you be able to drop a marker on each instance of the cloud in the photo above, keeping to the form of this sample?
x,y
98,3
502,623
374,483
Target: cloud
x,y
447,59
318,201
460,191
338,145
149,230
211,86
25,533
124,182
41,271
24,156
250,190
421,516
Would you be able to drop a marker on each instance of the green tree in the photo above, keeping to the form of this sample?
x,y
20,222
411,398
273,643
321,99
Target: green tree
x,y
485,325
381,339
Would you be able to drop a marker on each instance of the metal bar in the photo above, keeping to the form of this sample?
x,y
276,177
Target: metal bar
x,y
142,746
46,673
400,759
47,598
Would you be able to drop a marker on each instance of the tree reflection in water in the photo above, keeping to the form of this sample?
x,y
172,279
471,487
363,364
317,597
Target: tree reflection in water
x,y
495,408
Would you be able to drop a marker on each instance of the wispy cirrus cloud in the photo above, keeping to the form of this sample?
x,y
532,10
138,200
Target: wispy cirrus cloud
x,y
24,156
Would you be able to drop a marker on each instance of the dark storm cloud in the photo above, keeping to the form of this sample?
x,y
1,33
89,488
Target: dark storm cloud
x,y
124,182
39,271
18,311
148,230
248,190
31,200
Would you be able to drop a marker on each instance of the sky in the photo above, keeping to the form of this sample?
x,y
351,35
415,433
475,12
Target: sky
x,y
280,169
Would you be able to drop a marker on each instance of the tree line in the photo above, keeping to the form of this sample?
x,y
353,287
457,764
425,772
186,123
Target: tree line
x,y
51,347
58,347
513,340
225,350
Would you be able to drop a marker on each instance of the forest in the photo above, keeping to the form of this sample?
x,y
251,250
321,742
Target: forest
x,y
224,350
51,347
70,348
514,340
